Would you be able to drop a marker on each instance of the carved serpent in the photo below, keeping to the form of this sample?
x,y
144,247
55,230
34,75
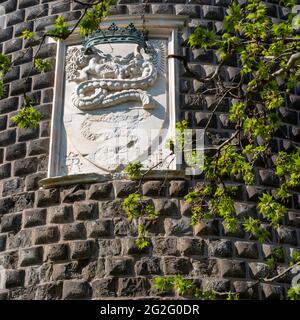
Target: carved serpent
x,y
94,94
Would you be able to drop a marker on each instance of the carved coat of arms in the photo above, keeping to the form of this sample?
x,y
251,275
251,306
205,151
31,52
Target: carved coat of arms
x,y
114,95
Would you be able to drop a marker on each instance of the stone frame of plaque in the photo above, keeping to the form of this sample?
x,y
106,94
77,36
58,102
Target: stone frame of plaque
x,y
76,88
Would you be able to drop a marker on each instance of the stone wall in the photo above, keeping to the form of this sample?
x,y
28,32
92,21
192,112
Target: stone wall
x,y
75,242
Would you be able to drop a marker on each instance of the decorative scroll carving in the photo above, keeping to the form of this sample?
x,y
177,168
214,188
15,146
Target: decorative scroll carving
x,y
105,80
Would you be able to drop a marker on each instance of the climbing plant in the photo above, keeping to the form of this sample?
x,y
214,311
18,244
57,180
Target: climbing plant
x,y
268,57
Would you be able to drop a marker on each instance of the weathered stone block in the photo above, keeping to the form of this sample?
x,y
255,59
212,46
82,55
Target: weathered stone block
x,y
9,105
47,197
49,291
124,188
86,210
190,246
76,289
11,222
207,228
178,227
246,249
22,239
12,186
220,248
5,171
258,270
111,209
219,285
138,286
173,265
73,231
40,146
60,214
178,188
34,217
99,228
287,235
100,191
154,188
109,247
148,266
7,137
15,151
231,268
43,80
47,234
294,219
165,246
104,287
246,289
131,248
272,292
11,278
57,252
31,256
81,249
119,266
166,207
25,166
28,134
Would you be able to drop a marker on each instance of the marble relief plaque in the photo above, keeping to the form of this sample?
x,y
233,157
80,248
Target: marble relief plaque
x,y
115,108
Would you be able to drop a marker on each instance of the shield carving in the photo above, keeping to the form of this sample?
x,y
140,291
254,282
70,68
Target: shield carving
x,y
115,107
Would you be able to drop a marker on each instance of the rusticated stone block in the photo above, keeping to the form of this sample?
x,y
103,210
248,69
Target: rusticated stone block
x,y
9,105
86,210
12,186
178,227
189,10
73,195
190,246
11,278
100,191
213,12
73,231
206,228
246,249
76,289
111,209
258,270
57,252
2,242
64,271
99,228
219,285
105,287
9,259
47,197
154,188
40,146
147,266
166,207
267,177
34,217
272,292
245,209
11,222
178,188
220,248
294,219
138,286
123,188
28,134
109,247
131,248
31,256
246,289
15,151
47,234
287,235
119,266
60,214
174,265
237,233
7,137
231,268
82,249
124,228
22,239
49,291
5,171
268,250
165,246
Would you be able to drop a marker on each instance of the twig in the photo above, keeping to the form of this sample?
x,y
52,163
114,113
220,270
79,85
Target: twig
x,y
282,273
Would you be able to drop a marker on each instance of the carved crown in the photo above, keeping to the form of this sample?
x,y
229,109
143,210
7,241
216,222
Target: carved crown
x,y
115,34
